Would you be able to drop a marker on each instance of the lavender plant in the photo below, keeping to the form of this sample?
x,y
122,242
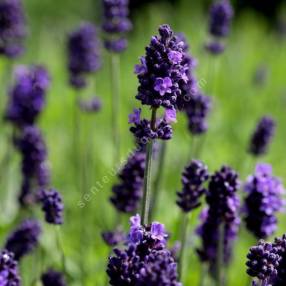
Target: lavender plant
x,y
9,274
162,75
220,222
52,277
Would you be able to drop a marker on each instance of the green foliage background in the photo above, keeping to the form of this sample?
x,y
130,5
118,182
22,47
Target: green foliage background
x,y
238,104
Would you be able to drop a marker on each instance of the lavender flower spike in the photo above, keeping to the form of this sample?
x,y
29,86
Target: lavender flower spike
x,y
27,97
12,28
262,136
145,260
8,270
52,206
116,24
83,54
24,239
163,71
92,105
263,201
193,178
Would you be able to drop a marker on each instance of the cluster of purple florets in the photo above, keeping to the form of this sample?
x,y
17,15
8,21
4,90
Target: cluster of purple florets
x,y
91,105
52,206
266,262
145,260
163,71
143,131
127,195
263,201
13,28
83,54
262,136
27,97
222,213
116,24
35,171
193,178
53,278
221,14
8,270
113,238
24,238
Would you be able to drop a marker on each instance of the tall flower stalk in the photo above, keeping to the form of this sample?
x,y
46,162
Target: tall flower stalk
x,y
115,25
193,178
162,74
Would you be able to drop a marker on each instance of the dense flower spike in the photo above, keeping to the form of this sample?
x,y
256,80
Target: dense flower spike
x,y
12,28
28,95
92,105
34,166
163,71
262,136
263,201
193,178
263,261
52,206
197,112
116,24
280,244
8,270
223,209
221,14
145,261
215,47
24,239
143,132
128,193
52,277
83,53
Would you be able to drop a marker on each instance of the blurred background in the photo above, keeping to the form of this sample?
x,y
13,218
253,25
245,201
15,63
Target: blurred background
x,y
249,82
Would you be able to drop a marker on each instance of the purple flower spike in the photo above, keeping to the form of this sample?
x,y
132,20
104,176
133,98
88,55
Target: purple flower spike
x,y
27,97
263,201
12,28
116,24
127,194
92,105
163,85
8,269
113,238
84,54
135,116
24,239
145,260
262,136
52,206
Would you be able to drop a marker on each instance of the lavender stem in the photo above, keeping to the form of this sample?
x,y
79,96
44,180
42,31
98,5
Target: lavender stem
x,y
147,174
158,179
184,230
115,81
60,248
204,269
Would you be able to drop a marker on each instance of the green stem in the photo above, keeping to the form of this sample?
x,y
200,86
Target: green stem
x,y
60,248
219,275
158,179
184,231
204,271
147,175
115,84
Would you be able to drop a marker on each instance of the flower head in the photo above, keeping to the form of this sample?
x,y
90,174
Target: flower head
x,y
84,54
27,97
262,136
263,201
52,277
52,206
12,28
24,239
91,105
